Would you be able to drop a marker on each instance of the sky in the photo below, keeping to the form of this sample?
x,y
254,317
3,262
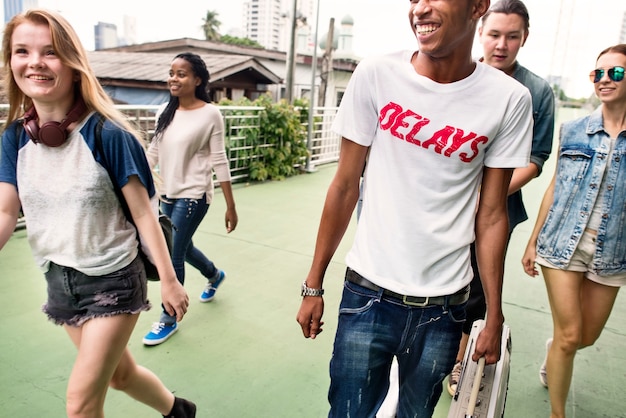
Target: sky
x,y
565,46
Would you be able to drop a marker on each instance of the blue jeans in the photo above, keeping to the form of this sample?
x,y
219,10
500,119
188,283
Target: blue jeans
x,y
186,215
372,329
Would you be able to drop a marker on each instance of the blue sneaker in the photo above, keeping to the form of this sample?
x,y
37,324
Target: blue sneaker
x,y
159,333
209,291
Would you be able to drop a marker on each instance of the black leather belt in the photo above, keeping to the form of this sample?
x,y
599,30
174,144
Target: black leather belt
x,y
454,299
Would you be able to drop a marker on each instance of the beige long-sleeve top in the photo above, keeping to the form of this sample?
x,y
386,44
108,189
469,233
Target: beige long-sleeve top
x,y
188,152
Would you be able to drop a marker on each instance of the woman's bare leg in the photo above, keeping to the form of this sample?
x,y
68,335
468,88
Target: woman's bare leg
x,y
597,304
103,359
580,309
564,289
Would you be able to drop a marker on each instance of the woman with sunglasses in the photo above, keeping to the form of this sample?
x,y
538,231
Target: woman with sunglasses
x,y
579,240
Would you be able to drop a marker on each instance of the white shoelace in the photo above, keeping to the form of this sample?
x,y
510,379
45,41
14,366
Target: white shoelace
x,y
157,327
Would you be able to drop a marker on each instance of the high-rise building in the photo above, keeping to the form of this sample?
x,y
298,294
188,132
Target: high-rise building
x,y
268,22
105,35
13,7
306,9
262,22
130,30
305,27
622,35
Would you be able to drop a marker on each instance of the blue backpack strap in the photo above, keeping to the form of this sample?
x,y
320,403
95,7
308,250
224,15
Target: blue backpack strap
x,y
100,149
18,127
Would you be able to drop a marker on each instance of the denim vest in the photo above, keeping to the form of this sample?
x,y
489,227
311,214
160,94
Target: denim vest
x,y
583,161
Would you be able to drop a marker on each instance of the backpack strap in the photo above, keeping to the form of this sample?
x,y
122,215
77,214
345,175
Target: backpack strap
x,y
100,150
17,126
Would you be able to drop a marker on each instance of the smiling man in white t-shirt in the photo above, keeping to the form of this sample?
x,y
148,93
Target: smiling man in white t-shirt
x,y
438,127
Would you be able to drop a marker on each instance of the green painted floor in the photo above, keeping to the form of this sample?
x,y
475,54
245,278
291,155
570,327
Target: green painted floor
x,y
243,354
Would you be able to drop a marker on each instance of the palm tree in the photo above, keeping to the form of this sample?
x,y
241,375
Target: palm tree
x,y
211,25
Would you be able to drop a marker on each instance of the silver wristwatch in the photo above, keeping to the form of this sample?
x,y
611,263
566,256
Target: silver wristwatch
x,y
308,291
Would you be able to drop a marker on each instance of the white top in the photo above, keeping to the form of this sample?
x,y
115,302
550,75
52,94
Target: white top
x,y
429,144
188,151
595,219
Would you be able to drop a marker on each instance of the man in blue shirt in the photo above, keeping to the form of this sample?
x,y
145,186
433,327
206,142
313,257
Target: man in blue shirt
x,y
503,32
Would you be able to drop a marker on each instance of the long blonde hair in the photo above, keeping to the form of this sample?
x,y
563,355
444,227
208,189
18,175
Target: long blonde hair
x,y
70,51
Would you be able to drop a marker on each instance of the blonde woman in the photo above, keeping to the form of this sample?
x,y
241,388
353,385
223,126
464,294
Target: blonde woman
x,y
579,236
77,229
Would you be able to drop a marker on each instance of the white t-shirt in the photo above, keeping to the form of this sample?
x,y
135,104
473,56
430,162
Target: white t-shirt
x,y
429,143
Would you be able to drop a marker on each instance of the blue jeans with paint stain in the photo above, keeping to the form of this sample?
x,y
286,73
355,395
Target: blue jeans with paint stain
x,y
372,329
186,215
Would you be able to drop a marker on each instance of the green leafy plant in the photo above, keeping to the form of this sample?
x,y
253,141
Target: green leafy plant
x,y
280,148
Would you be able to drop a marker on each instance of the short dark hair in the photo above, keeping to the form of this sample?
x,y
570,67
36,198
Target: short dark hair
x,y
516,7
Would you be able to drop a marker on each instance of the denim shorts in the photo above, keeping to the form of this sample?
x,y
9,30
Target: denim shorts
x,y
74,297
581,262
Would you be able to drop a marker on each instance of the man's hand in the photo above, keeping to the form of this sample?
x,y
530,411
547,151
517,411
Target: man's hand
x,y
488,344
310,316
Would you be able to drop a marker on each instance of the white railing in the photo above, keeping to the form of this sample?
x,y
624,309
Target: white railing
x,y
324,143
241,124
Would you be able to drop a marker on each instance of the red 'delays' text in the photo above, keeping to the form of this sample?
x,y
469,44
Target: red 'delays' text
x,y
446,141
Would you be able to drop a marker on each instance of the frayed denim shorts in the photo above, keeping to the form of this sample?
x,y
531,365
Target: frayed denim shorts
x,y
74,297
582,259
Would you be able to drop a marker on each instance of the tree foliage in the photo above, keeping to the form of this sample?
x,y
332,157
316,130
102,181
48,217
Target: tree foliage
x,y
211,26
234,40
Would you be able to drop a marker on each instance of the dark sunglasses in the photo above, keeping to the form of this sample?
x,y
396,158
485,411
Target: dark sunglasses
x,y
615,74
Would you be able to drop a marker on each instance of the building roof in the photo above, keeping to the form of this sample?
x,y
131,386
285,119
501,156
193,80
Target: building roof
x,y
139,69
202,47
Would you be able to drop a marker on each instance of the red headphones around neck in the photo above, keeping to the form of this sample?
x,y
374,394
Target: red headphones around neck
x,y
52,134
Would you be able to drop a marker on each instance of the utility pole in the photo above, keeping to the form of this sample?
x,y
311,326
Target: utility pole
x,y
309,138
291,55
327,62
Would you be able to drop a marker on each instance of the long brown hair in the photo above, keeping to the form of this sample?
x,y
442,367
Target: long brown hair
x,y
70,51
619,49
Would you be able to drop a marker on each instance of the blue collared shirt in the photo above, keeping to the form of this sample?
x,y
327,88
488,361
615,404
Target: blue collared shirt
x,y
543,133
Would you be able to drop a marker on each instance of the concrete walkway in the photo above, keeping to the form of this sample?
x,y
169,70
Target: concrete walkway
x,y
243,354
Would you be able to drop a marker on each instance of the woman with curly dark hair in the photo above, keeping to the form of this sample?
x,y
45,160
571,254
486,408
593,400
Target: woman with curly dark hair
x,y
188,147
